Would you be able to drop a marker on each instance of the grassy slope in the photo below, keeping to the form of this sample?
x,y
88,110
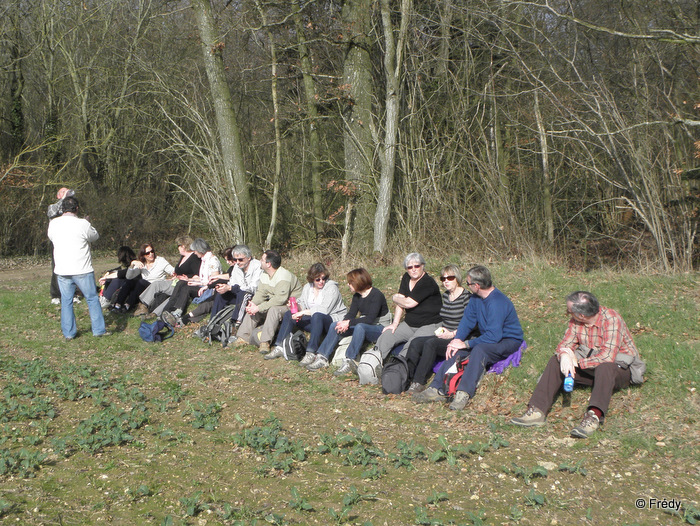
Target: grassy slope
x,y
647,449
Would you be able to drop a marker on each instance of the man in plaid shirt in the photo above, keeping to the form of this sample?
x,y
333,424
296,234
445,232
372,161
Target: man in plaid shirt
x,y
597,350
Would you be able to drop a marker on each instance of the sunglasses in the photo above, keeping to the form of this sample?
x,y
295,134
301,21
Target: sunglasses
x,y
321,278
238,259
411,267
149,252
448,278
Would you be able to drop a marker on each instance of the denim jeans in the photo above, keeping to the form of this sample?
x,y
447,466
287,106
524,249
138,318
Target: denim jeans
x,y
362,333
317,325
86,284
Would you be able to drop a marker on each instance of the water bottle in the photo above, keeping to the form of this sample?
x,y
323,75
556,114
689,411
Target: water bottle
x,y
293,307
568,383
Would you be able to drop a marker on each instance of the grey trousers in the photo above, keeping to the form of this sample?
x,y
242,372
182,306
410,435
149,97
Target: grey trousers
x,y
163,285
404,333
270,322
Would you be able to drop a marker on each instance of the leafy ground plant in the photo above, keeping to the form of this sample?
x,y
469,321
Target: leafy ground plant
x,y
325,430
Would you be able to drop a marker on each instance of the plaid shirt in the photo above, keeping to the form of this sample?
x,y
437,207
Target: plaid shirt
x,y
606,336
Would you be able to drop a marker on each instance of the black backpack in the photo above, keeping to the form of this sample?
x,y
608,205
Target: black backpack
x,y
220,327
395,375
294,346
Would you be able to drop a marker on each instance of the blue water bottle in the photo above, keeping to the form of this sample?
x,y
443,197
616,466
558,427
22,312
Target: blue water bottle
x,y
568,383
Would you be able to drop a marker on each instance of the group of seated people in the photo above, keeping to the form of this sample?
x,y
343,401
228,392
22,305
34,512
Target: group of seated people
x,y
469,327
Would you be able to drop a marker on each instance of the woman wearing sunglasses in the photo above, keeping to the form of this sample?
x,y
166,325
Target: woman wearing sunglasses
x,y
320,304
144,270
416,314
423,352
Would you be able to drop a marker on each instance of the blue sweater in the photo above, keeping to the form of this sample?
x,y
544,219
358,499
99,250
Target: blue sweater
x,y
495,316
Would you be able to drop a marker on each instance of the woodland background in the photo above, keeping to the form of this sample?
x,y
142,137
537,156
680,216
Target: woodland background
x,y
558,128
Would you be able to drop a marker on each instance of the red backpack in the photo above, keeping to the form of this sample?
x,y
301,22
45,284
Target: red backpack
x,y
453,376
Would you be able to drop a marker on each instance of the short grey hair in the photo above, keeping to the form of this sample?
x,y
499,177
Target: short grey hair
x,y
583,303
243,250
481,275
201,246
413,256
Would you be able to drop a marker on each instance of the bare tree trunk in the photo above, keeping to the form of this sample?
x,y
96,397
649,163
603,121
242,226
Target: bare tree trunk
x,y
312,110
392,68
357,116
278,138
17,131
546,184
227,123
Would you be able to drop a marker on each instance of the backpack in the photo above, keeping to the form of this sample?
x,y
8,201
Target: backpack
x,y
453,376
220,328
294,346
370,367
151,332
395,378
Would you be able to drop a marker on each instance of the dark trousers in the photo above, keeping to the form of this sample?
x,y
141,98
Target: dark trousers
x,y
54,290
130,291
422,355
234,296
481,357
181,296
605,379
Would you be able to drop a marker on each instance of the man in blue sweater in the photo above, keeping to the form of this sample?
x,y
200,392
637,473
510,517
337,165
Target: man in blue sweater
x,y
500,336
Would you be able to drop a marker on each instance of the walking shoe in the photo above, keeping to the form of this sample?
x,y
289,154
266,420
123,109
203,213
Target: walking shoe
x,y
532,417
141,310
349,367
171,319
587,427
308,359
76,299
319,363
415,388
104,302
264,347
277,352
106,333
428,395
57,301
460,401
240,342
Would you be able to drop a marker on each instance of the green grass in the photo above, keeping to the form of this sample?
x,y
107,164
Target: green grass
x,y
118,430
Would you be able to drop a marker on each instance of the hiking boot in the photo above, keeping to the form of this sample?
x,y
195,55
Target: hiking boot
x,y
532,417
308,359
319,363
415,388
264,347
460,401
171,319
240,342
274,353
141,310
349,367
587,427
428,395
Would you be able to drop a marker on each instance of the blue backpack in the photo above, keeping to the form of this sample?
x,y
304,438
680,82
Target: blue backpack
x,y
151,332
